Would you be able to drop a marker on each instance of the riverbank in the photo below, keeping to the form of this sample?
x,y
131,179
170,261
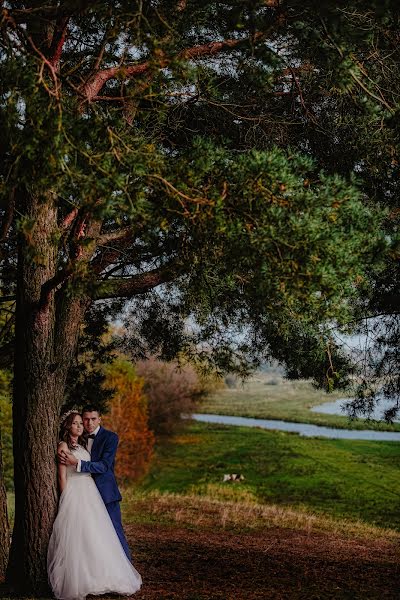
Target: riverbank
x,y
266,396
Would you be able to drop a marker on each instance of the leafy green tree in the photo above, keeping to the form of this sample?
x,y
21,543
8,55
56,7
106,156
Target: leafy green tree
x,y
197,159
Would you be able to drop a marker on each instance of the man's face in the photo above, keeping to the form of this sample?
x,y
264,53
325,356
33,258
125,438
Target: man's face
x,y
91,420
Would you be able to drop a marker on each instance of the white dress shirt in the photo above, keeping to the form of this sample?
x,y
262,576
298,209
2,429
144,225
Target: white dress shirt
x,y
89,447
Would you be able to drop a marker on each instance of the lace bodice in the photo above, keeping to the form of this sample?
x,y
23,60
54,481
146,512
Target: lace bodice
x,y
83,454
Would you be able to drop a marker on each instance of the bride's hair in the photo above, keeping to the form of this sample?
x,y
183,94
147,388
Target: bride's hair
x,y
65,432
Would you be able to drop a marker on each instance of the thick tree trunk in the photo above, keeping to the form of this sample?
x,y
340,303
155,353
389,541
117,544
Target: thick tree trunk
x,y
4,527
43,355
35,401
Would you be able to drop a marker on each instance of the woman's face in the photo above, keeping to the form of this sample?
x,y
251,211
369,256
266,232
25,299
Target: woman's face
x,y
76,428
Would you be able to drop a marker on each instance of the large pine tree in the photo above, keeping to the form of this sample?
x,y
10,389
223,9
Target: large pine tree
x,y
198,158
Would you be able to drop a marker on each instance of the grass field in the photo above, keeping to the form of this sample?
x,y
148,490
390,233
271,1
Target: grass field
x,y
339,479
267,396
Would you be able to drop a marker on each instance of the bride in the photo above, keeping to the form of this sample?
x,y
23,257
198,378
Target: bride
x,y
85,555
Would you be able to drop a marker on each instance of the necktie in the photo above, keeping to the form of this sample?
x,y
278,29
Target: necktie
x,y
91,436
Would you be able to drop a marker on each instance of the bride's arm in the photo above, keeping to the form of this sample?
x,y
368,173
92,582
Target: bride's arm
x,y
62,477
62,472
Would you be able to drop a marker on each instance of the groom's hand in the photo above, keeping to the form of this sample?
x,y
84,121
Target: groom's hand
x,y
66,458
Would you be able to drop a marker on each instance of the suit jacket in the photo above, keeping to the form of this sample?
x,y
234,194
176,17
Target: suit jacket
x,y
101,465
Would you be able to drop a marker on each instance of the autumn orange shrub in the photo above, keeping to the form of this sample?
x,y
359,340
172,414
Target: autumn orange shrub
x,y
128,418
172,391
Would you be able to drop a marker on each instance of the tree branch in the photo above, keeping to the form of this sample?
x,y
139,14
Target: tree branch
x,y
94,84
92,87
138,284
58,40
80,254
119,234
65,9
69,218
107,255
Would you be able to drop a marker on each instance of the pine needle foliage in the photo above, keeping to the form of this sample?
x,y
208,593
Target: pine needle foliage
x,y
230,165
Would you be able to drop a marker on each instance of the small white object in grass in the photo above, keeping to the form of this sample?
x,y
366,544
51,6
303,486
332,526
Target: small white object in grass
x,y
233,477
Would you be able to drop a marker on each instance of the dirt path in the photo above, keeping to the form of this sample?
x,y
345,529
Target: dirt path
x,y
277,564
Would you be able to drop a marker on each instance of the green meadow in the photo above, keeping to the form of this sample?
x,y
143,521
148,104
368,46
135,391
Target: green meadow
x,y
268,396
355,481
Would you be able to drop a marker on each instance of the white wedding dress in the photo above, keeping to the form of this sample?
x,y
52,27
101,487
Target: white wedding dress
x,y
85,555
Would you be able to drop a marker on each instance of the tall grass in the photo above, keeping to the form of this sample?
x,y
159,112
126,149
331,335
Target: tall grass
x,y
214,509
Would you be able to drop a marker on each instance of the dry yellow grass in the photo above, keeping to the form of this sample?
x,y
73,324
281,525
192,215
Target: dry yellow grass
x,y
216,508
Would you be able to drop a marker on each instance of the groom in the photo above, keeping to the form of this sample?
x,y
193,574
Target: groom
x,y
102,446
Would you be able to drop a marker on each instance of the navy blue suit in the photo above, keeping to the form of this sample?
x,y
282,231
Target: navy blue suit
x,y
101,467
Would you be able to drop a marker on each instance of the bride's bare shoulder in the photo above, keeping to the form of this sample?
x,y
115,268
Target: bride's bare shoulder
x,y
62,446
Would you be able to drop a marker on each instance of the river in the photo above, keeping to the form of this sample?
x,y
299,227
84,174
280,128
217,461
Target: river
x,y
304,429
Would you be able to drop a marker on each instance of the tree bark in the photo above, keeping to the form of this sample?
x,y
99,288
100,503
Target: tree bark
x,y
46,337
4,526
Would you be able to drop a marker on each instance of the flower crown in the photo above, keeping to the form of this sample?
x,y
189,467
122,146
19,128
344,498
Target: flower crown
x,y
66,415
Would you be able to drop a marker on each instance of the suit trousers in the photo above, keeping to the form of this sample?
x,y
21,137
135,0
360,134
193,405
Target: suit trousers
x,y
114,510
